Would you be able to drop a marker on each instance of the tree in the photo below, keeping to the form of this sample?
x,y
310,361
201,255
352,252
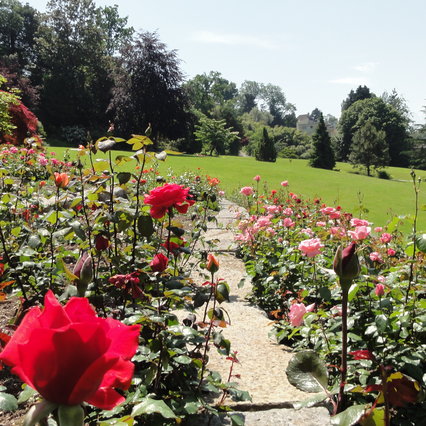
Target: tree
x,y
18,26
275,102
214,135
384,117
73,66
266,149
369,148
362,92
315,115
148,89
248,95
323,156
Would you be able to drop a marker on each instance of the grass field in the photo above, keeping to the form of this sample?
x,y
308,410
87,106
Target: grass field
x,y
382,198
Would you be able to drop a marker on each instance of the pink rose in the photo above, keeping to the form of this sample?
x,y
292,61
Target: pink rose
x,y
321,224
391,252
257,178
386,238
311,247
380,289
375,257
297,312
284,183
378,229
287,222
359,222
360,232
247,190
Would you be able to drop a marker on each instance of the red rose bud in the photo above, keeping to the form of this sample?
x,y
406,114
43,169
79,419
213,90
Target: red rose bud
x,y
83,270
101,242
362,354
69,355
61,180
159,263
346,265
212,264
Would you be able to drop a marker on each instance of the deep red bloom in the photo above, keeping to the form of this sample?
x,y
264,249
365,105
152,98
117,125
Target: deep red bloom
x,y
169,195
128,282
172,246
69,355
159,263
101,242
362,354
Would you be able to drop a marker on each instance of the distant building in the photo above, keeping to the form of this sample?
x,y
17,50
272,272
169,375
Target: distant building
x,y
306,125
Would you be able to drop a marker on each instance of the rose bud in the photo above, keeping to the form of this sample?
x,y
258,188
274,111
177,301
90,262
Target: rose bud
x,y
346,265
61,180
212,264
83,270
101,242
159,263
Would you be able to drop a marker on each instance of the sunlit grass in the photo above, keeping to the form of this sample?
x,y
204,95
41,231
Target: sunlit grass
x,y
378,200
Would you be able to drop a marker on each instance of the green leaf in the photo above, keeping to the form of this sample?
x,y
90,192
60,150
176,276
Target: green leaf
x,y
307,372
123,177
376,418
26,394
149,406
8,402
237,419
192,407
145,226
182,359
123,159
381,323
34,241
100,165
421,242
222,292
350,416
353,290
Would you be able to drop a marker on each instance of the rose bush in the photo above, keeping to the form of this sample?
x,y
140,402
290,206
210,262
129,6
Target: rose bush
x,y
70,356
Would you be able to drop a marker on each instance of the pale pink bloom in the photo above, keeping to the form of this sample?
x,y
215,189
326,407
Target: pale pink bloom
x,y
271,231
338,231
298,216
386,238
257,178
287,222
24,150
53,153
280,239
221,193
294,196
321,223
327,210
335,215
263,221
308,232
336,310
381,278
391,252
379,290
378,229
247,190
359,222
297,312
43,161
31,151
375,257
68,164
311,247
14,150
288,211
284,183
360,232
273,209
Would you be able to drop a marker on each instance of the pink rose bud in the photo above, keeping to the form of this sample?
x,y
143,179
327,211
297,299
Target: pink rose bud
x,y
379,290
346,265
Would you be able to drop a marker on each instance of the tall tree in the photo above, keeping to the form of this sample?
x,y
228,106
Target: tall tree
x,y
323,156
148,89
362,92
214,135
248,95
384,117
18,26
275,102
73,65
315,115
266,149
369,148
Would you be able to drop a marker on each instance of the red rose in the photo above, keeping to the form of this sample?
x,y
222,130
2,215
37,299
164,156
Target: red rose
x,y
362,354
101,242
69,355
159,263
167,196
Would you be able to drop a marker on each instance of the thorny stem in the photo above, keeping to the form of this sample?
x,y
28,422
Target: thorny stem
x,y
111,206
135,221
343,367
8,260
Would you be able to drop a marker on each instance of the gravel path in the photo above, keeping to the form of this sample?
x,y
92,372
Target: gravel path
x,y
262,361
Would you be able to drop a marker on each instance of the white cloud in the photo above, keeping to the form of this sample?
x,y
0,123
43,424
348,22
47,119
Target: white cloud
x,y
367,67
354,81
234,40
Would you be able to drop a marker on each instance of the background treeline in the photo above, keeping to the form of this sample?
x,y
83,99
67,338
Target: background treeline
x,y
80,68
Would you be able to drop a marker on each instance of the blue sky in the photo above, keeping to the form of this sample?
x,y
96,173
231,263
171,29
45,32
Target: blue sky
x,y
315,51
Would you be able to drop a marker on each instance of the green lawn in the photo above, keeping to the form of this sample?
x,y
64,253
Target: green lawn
x,y
382,198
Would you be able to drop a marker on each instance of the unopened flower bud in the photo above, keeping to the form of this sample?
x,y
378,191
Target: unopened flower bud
x,y
212,264
346,265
